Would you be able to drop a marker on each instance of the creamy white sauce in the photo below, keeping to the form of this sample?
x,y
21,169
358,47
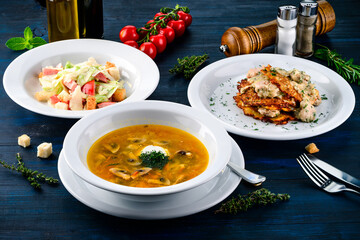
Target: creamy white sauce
x,y
301,83
151,148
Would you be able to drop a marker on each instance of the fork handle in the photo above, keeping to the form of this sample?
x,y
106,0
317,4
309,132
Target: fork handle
x,y
351,190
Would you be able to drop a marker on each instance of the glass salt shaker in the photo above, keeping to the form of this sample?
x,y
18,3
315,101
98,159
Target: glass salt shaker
x,y
286,30
305,29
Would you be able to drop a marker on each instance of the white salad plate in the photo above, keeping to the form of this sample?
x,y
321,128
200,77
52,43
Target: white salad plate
x,y
176,205
212,89
140,73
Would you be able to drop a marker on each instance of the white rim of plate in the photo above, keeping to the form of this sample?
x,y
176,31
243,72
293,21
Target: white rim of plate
x,y
70,148
195,87
201,204
146,67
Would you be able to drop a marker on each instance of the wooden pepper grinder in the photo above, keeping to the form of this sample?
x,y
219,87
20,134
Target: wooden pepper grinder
x,y
236,41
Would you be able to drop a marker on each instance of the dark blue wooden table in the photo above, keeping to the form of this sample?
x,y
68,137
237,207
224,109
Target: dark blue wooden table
x,y
53,213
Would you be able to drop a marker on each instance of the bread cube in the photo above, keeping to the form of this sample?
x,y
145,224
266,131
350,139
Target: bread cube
x,y
44,150
61,105
24,140
312,148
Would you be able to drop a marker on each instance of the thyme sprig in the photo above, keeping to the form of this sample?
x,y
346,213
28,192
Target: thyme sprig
x,y
346,68
188,66
260,197
32,176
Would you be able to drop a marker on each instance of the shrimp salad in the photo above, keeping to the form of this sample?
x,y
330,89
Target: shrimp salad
x,y
83,86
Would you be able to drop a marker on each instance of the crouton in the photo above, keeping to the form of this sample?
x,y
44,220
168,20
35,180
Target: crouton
x,y
61,105
44,150
312,148
109,65
64,96
90,103
24,140
43,96
119,95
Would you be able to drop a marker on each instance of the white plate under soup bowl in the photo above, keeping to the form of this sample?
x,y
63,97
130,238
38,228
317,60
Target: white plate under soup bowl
x,y
86,131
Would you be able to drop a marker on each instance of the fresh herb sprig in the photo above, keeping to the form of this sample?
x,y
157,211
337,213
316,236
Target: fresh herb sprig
x,y
260,197
28,41
154,159
346,68
188,66
32,176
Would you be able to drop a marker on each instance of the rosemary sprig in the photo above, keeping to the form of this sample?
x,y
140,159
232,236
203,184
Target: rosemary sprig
x,y
260,197
188,66
346,68
32,176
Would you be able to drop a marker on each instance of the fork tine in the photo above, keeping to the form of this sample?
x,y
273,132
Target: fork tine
x,y
315,167
315,174
308,172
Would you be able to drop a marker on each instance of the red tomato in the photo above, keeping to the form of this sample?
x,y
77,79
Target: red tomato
x,y
54,99
178,26
151,22
142,32
128,33
159,14
149,48
159,41
187,18
105,104
169,33
132,43
89,88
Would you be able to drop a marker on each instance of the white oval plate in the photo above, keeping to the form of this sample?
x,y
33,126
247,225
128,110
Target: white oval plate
x,y
175,205
140,73
213,88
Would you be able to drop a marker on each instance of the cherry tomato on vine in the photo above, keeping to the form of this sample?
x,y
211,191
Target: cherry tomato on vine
x,y
187,18
178,26
159,14
159,41
169,33
132,43
128,33
149,48
142,32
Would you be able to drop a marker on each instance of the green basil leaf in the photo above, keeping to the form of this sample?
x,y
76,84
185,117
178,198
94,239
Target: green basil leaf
x,y
28,33
37,41
16,43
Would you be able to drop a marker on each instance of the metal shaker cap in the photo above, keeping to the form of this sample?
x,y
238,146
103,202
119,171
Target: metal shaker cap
x,y
287,12
308,8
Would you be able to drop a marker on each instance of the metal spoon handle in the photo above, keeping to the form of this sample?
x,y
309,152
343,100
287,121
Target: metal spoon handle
x,y
247,175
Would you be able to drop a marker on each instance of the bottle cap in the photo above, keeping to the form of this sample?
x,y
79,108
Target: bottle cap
x,y
287,12
308,8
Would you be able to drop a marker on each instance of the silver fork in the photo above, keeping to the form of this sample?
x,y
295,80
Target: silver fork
x,y
319,178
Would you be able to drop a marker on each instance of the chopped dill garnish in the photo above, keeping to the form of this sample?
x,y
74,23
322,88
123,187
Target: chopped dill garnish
x,y
154,159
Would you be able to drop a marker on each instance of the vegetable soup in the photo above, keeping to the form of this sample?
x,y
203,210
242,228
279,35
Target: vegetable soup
x,y
147,156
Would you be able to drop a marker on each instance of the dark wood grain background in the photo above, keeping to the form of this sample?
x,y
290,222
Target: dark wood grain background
x,y
53,213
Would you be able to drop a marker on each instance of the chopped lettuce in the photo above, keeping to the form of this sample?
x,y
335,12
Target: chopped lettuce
x,y
108,88
50,85
101,98
68,65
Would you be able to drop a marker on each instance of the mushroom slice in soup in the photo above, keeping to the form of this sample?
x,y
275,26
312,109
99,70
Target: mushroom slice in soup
x,y
161,143
137,140
120,173
160,181
133,162
140,172
112,147
184,153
